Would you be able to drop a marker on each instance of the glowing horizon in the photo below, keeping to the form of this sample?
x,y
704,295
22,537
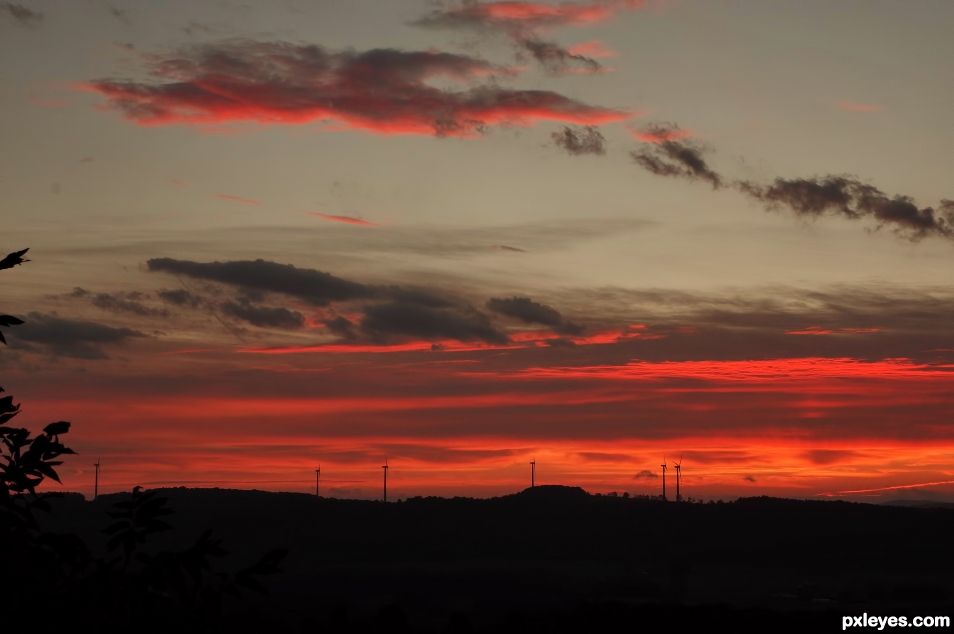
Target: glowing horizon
x,y
468,235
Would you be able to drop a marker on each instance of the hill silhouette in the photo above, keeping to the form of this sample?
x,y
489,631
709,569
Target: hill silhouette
x,y
561,558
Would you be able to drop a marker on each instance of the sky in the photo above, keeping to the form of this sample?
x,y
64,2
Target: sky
x,y
458,236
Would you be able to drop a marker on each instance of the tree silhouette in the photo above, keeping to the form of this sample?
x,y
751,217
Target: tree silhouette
x,y
53,578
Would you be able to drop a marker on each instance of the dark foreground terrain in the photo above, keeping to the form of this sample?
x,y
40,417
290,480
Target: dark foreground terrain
x,y
554,559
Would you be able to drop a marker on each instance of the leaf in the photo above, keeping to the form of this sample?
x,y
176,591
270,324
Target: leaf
x,y
6,404
13,259
48,471
9,320
57,428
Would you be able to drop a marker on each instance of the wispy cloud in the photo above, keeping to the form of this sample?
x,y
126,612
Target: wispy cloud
x,y
348,220
24,16
238,199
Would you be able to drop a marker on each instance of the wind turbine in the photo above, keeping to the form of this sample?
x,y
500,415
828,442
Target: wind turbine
x,y
385,467
663,465
96,480
318,482
533,473
678,466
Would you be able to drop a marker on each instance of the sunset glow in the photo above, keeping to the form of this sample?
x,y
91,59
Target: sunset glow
x,y
449,236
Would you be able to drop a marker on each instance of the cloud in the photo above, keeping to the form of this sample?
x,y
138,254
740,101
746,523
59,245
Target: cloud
x,y
469,14
315,287
830,456
22,15
69,337
557,60
124,302
832,195
531,312
749,478
674,158
522,22
645,474
577,141
593,49
382,322
603,456
385,91
239,199
180,297
342,327
263,316
348,220
853,199
660,133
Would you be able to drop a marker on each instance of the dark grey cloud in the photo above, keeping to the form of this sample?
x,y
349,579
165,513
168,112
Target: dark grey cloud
x,y
180,297
263,316
69,337
683,159
315,287
412,295
866,322
749,478
832,195
531,312
523,23
645,474
342,327
24,16
387,321
386,91
121,302
555,59
580,140
851,198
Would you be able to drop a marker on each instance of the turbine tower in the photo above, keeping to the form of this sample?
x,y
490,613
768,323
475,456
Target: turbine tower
x,y
385,467
318,482
96,480
678,466
663,465
533,473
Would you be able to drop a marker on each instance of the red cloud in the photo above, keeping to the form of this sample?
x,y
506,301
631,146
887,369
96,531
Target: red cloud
x,y
769,370
660,133
238,199
382,90
592,48
530,14
348,220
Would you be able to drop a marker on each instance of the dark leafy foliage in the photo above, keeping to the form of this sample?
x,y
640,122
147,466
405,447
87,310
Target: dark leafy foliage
x,y
56,581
